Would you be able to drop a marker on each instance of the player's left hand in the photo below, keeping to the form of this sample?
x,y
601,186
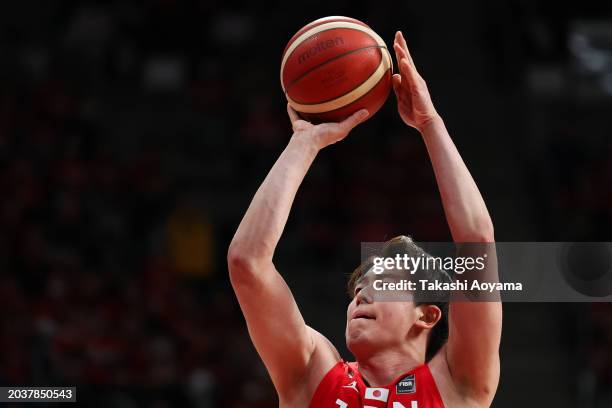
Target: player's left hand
x,y
413,101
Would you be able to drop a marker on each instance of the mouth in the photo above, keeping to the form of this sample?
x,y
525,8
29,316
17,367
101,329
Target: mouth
x,y
363,316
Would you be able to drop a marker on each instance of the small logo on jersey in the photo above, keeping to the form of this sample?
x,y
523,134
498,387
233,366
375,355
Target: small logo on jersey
x,y
377,394
352,385
406,385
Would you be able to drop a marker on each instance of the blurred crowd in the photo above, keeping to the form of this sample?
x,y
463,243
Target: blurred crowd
x,y
109,277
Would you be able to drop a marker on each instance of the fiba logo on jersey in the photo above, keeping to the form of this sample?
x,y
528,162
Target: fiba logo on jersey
x,y
406,385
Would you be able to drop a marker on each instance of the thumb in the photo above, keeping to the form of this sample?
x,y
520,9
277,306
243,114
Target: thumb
x,y
293,116
396,80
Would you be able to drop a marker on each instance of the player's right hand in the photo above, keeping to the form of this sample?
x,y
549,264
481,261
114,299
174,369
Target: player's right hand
x,y
413,100
324,134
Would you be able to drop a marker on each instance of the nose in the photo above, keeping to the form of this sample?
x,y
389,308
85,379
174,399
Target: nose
x,y
364,296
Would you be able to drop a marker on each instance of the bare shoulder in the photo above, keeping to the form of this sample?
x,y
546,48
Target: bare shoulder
x,y
455,394
323,359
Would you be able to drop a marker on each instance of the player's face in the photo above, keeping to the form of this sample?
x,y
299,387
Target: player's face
x,y
374,321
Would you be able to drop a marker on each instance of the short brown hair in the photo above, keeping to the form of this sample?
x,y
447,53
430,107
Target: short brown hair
x,y
401,245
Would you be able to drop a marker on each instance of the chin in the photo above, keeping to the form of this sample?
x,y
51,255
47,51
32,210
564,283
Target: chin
x,y
358,339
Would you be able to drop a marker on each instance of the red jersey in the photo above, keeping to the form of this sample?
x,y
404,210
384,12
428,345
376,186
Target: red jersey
x,y
343,387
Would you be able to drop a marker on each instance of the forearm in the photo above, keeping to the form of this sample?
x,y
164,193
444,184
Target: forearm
x,y
274,321
265,219
465,209
472,358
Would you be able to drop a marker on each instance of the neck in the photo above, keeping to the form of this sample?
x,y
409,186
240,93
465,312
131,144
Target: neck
x,y
380,368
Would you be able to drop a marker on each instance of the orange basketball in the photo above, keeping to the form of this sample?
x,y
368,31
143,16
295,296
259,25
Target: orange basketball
x,y
335,66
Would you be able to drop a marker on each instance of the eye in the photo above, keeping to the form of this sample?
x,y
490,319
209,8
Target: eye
x,y
358,289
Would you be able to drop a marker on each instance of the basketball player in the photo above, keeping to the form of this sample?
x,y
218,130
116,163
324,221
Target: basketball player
x,y
389,340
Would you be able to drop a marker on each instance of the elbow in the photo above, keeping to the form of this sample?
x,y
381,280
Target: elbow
x,y
481,232
242,265
238,260
485,235
239,265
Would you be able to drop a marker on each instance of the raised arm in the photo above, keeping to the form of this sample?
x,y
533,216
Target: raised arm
x,y
472,350
275,324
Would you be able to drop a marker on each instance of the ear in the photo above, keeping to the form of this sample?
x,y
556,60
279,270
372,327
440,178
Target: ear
x,y
428,316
